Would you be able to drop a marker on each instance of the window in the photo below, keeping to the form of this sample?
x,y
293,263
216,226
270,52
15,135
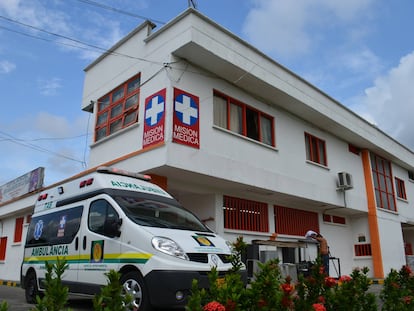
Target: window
x,y
408,248
362,249
315,149
294,221
354,149
334,219
118,109
411,175
18,230
384,191
400,187
242,119
55,228
103,219
241,214
3,247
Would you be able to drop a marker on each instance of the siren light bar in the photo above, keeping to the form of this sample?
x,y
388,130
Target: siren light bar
x,y
117,171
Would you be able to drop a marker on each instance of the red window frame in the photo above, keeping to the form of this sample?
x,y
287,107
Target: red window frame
x,y
334,219
118,109
3,247
315,149
249,116
400,188
18,230
293,221
246,215
382,178
363,249
408,248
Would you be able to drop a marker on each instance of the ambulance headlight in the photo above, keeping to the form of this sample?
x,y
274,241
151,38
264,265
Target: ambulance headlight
x,y
169,247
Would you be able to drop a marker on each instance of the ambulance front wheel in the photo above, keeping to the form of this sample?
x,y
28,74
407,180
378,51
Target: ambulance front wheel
x,y
31,289
133,284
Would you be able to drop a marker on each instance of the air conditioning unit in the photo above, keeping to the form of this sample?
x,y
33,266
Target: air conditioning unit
x,y
345,181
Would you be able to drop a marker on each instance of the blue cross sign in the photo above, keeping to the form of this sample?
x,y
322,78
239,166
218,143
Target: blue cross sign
x,y
154,110
186,109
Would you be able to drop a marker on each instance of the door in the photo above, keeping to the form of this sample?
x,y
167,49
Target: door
x,y
100,244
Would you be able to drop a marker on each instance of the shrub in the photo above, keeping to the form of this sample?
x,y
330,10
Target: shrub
x,y
398,290
111,297
271,292
56,295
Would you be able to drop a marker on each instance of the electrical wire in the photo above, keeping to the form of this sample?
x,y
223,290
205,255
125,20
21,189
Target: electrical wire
x,y
104,50
109,8
22,142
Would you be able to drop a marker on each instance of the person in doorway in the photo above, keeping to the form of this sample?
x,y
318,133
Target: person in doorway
x,y
323,248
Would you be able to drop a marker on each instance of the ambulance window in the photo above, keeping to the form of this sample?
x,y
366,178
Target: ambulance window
x,y
55,228
159,214
103,218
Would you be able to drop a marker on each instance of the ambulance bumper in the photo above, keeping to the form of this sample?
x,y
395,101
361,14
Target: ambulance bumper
x,y
172,288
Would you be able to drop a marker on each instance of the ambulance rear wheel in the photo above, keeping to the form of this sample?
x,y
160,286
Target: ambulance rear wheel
x,y
31,289
133,284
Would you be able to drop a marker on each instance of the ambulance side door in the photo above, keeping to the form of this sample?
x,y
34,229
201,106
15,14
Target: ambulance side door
x,y
100,244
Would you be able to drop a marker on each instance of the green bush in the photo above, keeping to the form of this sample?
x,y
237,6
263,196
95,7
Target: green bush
x,y
4,306
111,297
269,291
56,295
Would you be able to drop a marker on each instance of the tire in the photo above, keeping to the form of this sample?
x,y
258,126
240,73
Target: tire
x,y
133,284
31,288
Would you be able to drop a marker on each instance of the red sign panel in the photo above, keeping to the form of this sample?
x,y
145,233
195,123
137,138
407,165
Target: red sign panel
x,y
186,125
154,119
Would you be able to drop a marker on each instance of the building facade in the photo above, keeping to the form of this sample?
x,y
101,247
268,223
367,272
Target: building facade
x,y
251,148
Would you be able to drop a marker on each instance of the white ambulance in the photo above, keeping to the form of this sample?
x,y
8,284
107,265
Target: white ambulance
x,y
115,220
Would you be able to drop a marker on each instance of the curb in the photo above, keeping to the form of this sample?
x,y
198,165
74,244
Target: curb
x,y
379,281
9,283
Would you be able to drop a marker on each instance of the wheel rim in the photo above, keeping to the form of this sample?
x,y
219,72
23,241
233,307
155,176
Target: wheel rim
x,y
132,288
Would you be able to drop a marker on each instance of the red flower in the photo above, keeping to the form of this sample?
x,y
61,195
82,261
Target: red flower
x,y
407,270
321,299
214,306
407,299
330,282
344,279
318,307
287,288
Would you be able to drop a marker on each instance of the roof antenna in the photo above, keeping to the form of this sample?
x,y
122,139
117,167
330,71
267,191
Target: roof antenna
x,y
193,4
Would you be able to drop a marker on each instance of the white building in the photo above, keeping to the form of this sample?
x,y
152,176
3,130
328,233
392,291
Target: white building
x,y
250,147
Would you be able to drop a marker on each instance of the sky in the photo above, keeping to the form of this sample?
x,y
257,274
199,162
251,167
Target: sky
x,y
359,52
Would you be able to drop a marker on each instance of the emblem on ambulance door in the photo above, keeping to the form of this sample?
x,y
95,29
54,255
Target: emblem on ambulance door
x,y
97,251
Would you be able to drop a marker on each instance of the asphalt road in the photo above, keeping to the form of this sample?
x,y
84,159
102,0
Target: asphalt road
x,y
16,301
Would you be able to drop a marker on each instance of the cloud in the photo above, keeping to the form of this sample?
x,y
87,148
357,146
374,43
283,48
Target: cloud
x,y
49,87
293,28
57,19
6,67
56,142
389,102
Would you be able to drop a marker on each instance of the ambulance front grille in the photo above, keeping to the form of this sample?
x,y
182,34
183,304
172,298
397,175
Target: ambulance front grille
x,y
203,258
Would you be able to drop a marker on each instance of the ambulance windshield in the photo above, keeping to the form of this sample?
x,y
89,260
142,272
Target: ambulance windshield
x,y
152,213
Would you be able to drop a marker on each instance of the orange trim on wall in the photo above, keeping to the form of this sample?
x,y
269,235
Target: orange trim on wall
x,y
372,217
